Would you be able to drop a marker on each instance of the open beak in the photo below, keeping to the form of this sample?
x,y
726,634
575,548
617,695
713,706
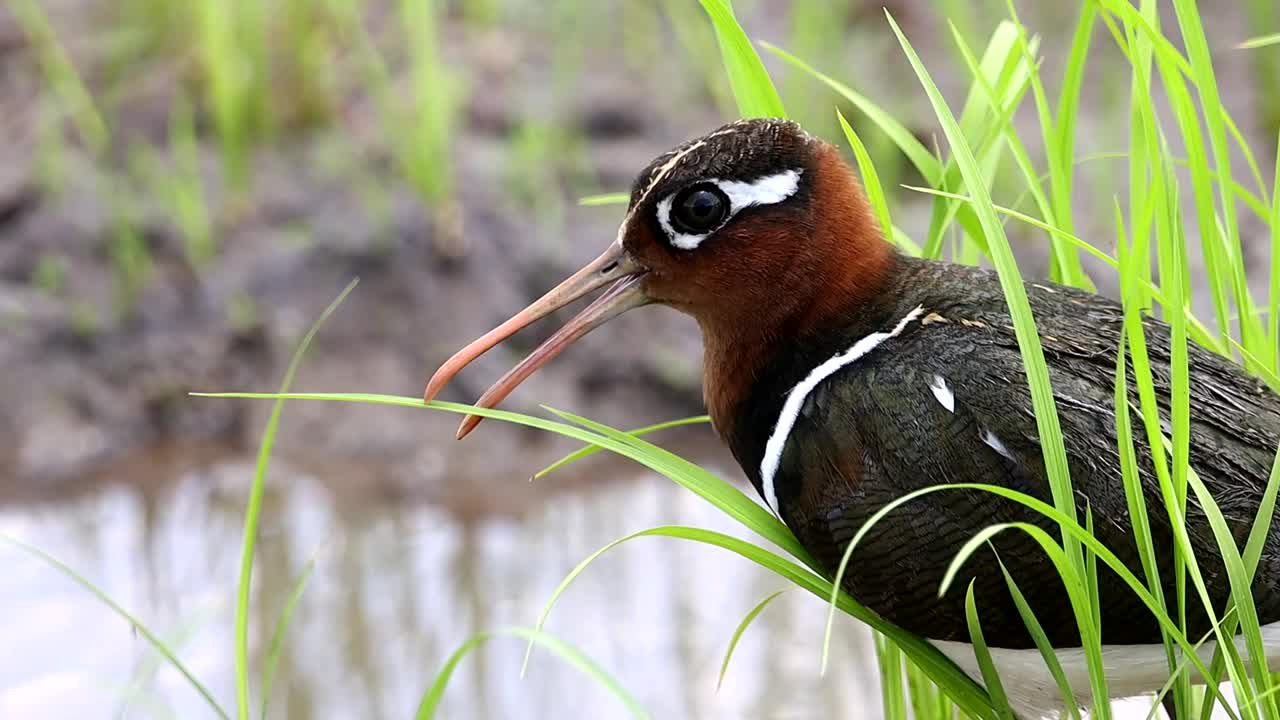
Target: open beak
x,y
615,267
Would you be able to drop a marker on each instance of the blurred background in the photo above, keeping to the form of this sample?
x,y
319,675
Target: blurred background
x,y
184,186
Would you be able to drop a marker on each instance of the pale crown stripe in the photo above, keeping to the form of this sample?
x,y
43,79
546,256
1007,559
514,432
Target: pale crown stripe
x,y
797,395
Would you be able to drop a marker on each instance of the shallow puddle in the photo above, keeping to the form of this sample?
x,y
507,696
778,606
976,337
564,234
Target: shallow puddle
x,y
396,588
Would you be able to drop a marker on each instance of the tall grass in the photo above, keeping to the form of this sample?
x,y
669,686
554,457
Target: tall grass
x,y
1174,100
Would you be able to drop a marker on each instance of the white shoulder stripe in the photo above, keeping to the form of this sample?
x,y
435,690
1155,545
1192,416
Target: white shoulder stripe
x,y
1131,670
796,397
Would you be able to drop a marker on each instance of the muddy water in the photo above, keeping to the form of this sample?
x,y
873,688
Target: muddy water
x,y
397,587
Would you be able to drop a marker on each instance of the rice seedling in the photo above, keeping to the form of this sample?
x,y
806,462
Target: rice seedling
x,y
231,43
242,312
1265,17
816,32
61,77
419,124
532,175
481,13
697,43
177,181
186,188
130,256
50,274
640,41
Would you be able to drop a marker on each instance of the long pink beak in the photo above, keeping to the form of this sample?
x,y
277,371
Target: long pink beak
x,y
614,267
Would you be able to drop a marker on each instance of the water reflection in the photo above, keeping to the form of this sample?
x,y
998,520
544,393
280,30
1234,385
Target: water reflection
x,y
397,587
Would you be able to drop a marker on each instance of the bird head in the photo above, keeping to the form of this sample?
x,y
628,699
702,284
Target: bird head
x,y
756,229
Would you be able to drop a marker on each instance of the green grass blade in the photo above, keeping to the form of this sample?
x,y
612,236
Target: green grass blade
x,y
889,657
1041,640
1080,606
60,74
563,586
253,511
960,687
723,495
1215,121
923,160
1259,42
1262,521
742,627
430,702
1198,330
1049,431
1070,526
1241,597
990,675
590,450
615,198
1067,267
963,691
719,493
1273,305
1058,136
281,632
752,87
870,178
128,617
1134,489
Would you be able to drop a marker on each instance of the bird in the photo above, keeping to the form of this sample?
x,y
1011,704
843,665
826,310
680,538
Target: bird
x,y
843,374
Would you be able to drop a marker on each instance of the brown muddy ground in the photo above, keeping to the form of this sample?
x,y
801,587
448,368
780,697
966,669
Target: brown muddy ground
x,y
419,541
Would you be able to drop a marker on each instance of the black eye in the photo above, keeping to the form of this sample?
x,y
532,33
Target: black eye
x,y
699,209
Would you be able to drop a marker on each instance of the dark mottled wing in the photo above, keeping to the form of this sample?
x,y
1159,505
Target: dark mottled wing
x,y
916,442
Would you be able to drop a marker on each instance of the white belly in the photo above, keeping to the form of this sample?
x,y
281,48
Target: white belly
x,y
1131,670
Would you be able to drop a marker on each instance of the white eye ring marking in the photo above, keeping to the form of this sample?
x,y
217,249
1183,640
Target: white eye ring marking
x,y
767,190
796,396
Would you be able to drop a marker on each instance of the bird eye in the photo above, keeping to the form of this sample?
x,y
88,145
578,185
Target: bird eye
x,y
699,209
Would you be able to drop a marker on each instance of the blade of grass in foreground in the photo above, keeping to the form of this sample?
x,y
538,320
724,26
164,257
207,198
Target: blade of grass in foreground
x,y
1087,540
742,628
875,191
1262,41
990,675
1080,605
889,657
1041,640
431,699
590,450
253,512
1042,400
925,163
752,87
962,690
616,198
726,498
128,617
1273,305
282,629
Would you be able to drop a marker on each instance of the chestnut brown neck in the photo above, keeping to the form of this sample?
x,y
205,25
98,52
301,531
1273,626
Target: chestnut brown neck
x,y
829,278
